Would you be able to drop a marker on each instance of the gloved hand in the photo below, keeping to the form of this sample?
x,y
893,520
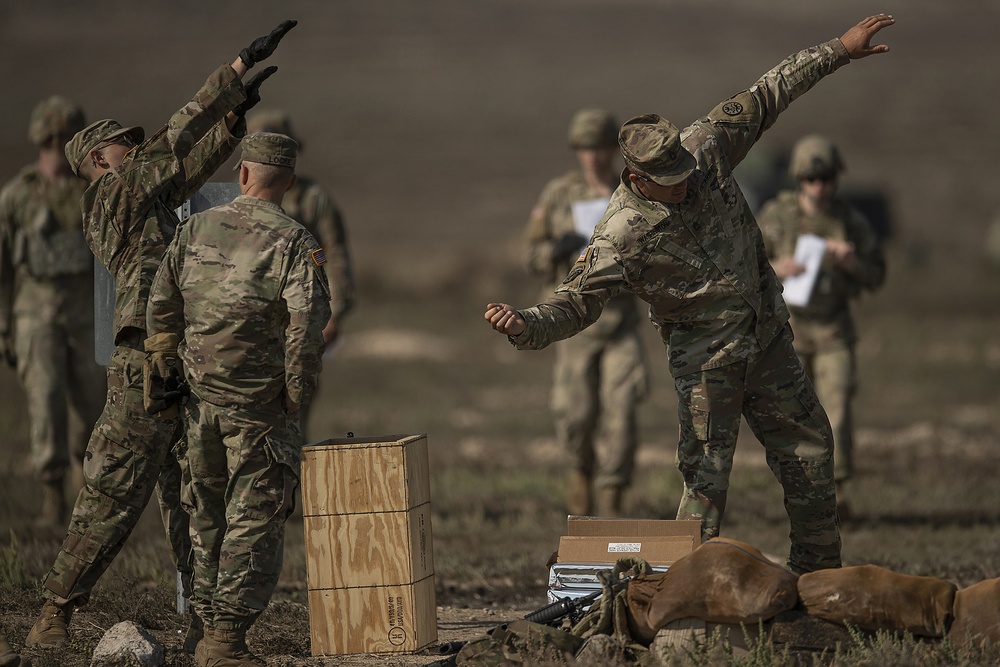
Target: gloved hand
x,y
7,349
164,386
568,244
263,47
253,90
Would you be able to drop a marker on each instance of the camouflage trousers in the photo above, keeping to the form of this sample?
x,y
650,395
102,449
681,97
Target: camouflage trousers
x,y
833,374
774,394
129,455
598,383
241,471
63,386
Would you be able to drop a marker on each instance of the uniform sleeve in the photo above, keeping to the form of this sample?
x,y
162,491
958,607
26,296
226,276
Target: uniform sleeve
x,y
183,154
870,273
165,309
577,303
307,298
543,251
7,275
740,121
333,237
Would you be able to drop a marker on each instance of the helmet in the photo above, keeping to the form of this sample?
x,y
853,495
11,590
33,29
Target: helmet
x,y
55,116
814,155
593,128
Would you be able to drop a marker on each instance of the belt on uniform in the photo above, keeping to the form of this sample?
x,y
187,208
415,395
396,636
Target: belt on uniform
x,y
132,337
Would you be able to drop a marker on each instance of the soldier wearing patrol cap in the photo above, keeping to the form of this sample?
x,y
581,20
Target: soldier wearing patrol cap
x,y
599,376
678,233
247,280
47,306
313,207
134,185
824,329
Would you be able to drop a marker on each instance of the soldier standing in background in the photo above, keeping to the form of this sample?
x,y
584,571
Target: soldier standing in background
x,y
599,375
824,329
128,218
311,205
679,234
246,279
47,306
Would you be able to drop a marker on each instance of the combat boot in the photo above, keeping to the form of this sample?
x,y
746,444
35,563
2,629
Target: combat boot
x,y
225,648
195,633
53,512
7,656
51,630
609,501
579,500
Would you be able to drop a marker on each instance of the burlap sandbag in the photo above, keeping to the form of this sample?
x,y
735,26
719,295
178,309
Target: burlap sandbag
x,y
977,615
874,598
722,581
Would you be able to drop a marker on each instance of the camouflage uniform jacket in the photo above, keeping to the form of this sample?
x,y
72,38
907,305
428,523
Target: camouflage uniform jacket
x,y
827,319
128,214
312,207
243,287
45,263
700,264
549,229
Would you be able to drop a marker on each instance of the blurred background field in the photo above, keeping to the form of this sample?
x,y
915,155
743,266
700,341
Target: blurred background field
x,y
435,124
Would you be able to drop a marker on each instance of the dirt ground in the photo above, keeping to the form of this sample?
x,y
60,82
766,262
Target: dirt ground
x,y
436,124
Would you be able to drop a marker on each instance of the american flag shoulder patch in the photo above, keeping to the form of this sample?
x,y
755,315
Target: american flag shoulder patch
x,y
318,257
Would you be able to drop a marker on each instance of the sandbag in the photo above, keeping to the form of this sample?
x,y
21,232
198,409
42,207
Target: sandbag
x,y
977,615
874,598
722,581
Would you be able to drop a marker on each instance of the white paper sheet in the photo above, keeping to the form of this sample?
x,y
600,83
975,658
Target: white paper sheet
x,y
587,213
809,251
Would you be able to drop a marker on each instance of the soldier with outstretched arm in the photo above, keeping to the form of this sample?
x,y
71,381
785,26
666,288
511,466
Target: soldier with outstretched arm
x,y
679,234
134,185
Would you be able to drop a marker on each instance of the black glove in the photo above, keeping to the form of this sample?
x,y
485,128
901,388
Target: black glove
x,y
253,90
263,47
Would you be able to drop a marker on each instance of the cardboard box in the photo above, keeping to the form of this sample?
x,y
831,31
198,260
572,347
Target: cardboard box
x,y
369,553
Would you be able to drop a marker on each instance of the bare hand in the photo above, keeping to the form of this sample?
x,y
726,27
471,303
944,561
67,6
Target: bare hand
x,y
291,407
330,333
843,253
786,267
856,40
505,319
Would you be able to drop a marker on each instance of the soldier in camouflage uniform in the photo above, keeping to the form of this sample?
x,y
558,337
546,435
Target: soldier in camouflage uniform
x,y
311,206
678,233
242,287
824,330
47,305
600,375
128,218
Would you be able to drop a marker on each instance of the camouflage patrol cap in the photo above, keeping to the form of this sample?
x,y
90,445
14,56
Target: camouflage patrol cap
x,y
272,120
592,128
269,148
54,117
815,156
99,132
651,146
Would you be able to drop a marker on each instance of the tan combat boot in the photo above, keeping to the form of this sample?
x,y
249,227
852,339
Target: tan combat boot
x,y
225,648
53,505
579,500
195,633
51,630
609,501
7,656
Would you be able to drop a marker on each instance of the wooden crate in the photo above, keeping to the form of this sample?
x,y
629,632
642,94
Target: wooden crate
x,y
369,557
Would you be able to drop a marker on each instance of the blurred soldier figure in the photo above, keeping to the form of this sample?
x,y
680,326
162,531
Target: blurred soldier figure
x,y
679,234
128,218
311,205
600,375
824,330
247,279
47,305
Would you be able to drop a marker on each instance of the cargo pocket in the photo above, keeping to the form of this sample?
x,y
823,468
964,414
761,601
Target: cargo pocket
x,y
77,555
